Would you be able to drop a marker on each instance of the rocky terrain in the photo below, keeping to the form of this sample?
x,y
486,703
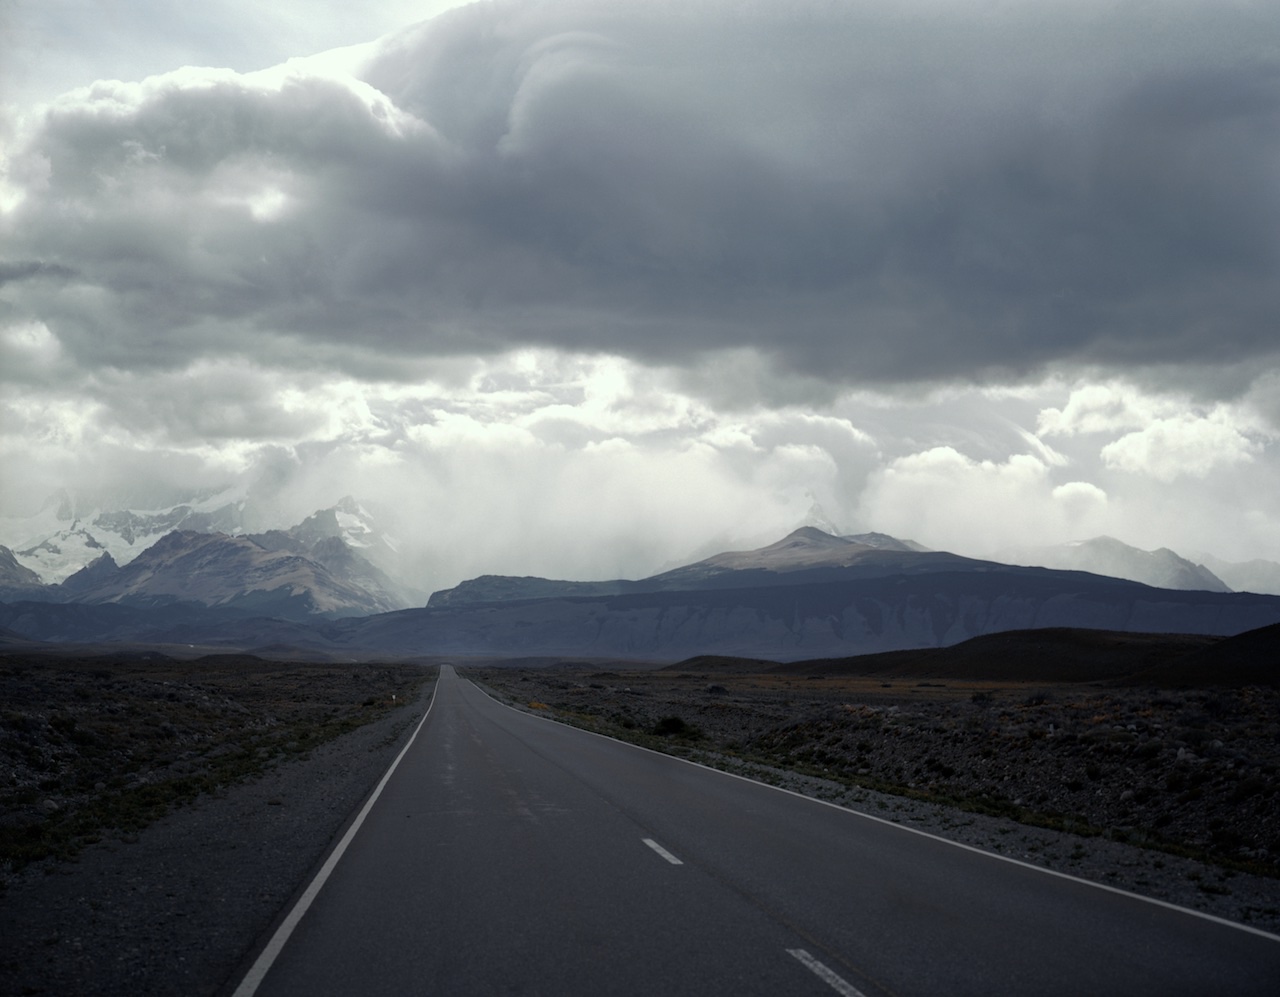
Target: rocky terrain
x,y
157,815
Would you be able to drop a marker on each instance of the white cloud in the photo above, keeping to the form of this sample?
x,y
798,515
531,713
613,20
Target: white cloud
x,y
50,46
1185,445
1079,502
28,352
1102,408
944,499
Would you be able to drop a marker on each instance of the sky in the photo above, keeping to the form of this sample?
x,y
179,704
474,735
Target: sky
x,y
582,288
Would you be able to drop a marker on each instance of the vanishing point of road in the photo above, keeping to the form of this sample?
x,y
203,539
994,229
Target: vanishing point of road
x,y
508,854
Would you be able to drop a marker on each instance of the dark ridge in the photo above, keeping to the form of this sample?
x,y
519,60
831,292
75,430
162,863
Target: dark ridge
x,y
1250,658
1058,654
720,663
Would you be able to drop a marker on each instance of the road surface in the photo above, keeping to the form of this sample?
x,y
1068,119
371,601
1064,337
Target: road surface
x,y
510,855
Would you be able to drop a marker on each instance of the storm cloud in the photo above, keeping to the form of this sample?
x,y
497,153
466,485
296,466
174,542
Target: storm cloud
x,y
859,193
585,286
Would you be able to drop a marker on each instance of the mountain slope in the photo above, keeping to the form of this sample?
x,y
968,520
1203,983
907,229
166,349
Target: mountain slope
x,y
1257,575
16,580
1108,556
345,539
813,619
804,555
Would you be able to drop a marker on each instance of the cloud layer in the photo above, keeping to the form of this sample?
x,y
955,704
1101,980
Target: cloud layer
x,y
974,274
861,193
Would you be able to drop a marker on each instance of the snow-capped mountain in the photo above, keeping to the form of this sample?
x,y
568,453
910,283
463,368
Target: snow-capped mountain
x,y
62,538
817,518
1108,556
355,526
67,535
215,569
808,595
346,540
87,556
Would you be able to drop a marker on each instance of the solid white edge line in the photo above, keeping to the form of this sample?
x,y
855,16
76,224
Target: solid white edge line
x,y
662,851
837,983
1248,928
267,957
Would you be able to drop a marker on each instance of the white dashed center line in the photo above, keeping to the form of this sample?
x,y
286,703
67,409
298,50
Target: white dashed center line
x,y
662,851
836,983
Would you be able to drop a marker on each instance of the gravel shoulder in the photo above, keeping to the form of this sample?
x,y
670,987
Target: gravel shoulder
x,y
176,907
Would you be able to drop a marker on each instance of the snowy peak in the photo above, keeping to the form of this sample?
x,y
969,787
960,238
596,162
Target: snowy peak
x,y
354,525
61,554
347,539
799,556
57,544
215,569
131,526
807,547
1105,555
63,538
817,517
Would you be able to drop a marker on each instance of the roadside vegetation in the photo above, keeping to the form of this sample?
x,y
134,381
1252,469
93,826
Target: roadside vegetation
x,y
100,746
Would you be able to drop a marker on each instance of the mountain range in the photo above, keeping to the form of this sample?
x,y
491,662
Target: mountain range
x,y
62,537
1108,556
811,594
327,565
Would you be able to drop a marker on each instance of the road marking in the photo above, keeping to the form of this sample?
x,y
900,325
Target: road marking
x,y
837,983
662,851
267,957
1213,918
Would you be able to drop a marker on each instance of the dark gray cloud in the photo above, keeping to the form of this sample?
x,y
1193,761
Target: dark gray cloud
x,y
15,270
861,193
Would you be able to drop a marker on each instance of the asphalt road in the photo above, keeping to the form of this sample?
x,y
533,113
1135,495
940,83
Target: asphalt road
x,y
510,855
